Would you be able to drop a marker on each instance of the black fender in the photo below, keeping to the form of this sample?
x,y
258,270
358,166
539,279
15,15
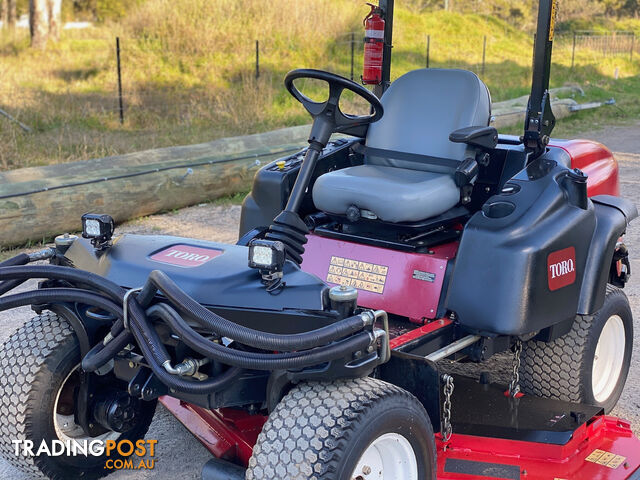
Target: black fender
x,y
613,214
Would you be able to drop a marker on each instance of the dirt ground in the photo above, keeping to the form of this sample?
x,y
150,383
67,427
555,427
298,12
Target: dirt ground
x,y
180,455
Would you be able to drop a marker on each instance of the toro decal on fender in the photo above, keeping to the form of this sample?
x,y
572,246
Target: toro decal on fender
x,y
561,268
186,255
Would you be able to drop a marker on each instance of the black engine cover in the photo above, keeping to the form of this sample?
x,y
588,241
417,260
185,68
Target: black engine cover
x,y
214,274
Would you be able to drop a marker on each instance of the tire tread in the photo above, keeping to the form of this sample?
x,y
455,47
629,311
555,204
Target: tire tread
x,y
312,425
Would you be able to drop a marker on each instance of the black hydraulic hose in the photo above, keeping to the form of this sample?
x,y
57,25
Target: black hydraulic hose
x,y
20,259
71,275
57,295
152,346
158,280
253,360
101,353
155,353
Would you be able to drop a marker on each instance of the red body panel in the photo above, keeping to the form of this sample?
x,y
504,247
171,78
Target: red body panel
x,y
227,433
403,283
596,161
552,462
419,332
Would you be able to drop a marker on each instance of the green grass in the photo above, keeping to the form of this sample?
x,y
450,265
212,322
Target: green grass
x,y
188,72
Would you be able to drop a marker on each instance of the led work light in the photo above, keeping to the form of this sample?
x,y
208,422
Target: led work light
x,y
266,255
98,227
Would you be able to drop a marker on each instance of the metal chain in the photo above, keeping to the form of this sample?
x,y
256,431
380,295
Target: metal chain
x,y
514,387
447,429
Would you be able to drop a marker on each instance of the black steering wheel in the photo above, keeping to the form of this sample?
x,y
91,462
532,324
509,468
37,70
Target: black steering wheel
x,y
327,117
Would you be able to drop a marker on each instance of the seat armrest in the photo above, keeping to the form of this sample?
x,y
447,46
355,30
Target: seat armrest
x,y
482,137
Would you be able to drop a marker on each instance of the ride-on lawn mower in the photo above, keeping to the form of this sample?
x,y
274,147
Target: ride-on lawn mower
x,y
323,344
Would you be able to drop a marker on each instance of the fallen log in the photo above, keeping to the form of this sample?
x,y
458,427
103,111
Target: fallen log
x,y
40,202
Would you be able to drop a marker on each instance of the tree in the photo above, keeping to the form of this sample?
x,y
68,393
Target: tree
x,y
54,8
38,23
5,13
13,15
44,21
8,14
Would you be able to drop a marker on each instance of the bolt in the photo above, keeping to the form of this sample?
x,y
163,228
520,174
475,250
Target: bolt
x,y
366,469
91,425
131,364
524,472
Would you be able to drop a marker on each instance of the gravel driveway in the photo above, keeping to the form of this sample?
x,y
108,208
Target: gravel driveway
x,y
179,455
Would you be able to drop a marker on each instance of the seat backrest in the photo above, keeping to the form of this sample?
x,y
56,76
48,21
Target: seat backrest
x,y
421,109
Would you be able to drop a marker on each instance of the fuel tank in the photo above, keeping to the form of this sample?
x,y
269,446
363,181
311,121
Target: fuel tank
x,y
522,258
214,274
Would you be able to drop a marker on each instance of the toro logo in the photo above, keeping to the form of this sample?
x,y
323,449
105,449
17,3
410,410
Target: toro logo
x,y
561,268
186,255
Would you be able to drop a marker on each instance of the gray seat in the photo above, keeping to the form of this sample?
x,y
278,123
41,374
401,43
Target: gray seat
x,y
421,109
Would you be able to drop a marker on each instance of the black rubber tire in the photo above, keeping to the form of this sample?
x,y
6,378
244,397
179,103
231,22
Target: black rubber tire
x,y
320,430
34,362
562,369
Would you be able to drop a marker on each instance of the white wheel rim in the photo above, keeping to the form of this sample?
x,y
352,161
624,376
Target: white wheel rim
x,y
66,427
388,457
608,360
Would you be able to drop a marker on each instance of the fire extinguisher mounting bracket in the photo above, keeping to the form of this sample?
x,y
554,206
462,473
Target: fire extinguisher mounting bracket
x,y
327,117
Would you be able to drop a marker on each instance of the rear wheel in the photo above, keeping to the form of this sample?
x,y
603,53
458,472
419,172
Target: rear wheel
x,y
363,429
39,372
588,365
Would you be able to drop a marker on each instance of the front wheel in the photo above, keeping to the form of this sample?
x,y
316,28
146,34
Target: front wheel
x,y
363,429
39,374
589,364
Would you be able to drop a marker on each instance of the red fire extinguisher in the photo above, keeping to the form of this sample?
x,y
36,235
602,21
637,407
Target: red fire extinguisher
x,y
373,46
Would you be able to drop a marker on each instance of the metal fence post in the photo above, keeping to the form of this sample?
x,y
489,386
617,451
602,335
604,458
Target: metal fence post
x,y
257,59
121,105
573,51
353,50
428,50
484,54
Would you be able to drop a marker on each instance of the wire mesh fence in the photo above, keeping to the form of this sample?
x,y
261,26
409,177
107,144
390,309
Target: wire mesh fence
x,y
487,59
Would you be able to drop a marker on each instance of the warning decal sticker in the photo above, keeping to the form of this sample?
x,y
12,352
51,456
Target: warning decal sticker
x,y
357,274
606,459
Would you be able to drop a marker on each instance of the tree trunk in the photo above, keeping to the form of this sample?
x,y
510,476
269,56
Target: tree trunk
x,y
13,14
54,8
38,23
4,17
